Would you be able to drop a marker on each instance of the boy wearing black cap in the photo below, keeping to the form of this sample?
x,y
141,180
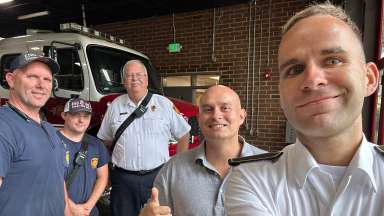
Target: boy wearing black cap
x,y
86,184
31,155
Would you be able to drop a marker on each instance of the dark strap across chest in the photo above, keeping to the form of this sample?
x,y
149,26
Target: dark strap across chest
x,y
80,158
139,111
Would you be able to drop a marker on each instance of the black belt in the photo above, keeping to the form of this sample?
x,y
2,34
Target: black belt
x,y
139,172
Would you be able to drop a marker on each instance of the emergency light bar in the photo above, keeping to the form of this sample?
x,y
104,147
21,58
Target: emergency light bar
x,y
74,27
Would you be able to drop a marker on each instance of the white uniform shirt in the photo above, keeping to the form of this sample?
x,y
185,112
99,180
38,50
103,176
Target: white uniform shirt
x,y
294,185
144,143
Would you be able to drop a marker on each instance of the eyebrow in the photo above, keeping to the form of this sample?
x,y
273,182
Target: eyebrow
x,y
142,72
332,50
205,105
289,62
212,105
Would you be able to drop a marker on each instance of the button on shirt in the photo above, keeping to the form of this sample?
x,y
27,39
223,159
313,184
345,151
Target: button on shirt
x,y
190,185
144,143
295,185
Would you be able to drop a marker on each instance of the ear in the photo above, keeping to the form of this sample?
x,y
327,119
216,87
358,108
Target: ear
x,y
10,77
372,78
243,115
63,115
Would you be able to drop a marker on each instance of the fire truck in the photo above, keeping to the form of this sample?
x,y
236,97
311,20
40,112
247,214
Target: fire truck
x,y
91,64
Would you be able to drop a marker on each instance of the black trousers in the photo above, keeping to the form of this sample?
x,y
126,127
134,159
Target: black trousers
x,y
130,191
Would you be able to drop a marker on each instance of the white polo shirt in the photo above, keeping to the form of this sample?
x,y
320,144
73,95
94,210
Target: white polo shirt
x,y
144,143
295,185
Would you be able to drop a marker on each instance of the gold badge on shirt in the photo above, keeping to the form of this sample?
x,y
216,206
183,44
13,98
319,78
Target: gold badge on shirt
x,y
94,162
153,108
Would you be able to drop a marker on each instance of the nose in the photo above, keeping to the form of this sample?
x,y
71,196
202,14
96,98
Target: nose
x,y
217,114
39,83
132,78
81,119
44,83
313,78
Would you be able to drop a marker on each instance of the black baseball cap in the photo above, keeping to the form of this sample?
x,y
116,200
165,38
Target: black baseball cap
x,y
75,105
26,58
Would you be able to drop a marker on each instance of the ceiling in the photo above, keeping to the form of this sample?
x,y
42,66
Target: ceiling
x,y
96,12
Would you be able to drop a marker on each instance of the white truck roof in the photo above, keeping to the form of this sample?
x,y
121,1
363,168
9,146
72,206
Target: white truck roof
x,y
47,38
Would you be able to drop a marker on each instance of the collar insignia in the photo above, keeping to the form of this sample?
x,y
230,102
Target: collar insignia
x,y
266,156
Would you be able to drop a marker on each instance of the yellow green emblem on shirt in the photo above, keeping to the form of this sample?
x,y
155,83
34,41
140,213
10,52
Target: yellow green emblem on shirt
x,y
67,157
94,162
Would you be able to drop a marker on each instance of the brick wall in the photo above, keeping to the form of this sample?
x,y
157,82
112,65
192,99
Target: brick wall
x,y
234,54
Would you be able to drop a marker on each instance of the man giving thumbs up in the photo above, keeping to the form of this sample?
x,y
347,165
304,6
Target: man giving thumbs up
x,y
153,207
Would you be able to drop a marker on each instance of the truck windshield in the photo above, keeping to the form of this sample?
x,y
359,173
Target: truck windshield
x,y
107,69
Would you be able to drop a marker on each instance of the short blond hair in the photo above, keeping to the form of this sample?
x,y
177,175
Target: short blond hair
x,y
326,8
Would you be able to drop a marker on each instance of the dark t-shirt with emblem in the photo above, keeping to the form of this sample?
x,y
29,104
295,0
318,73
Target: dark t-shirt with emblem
x,y
97,156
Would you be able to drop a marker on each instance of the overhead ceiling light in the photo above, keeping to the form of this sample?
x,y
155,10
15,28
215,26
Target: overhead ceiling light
x,y
33,15
5,1
21,36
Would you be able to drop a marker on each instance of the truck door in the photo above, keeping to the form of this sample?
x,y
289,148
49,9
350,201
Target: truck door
x,y
5,64
71,80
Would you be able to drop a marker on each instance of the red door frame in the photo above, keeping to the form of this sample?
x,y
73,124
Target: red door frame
x,y
380,65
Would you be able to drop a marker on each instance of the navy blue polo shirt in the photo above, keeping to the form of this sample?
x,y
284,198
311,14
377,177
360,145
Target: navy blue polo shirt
x,y
97,156
32,165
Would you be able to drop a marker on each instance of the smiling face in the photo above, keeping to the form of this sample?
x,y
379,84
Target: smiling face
x,y
323,77
220,114
76,123
135,78
31,86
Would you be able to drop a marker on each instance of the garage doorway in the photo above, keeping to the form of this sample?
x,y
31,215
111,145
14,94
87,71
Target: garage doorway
x,y
189,87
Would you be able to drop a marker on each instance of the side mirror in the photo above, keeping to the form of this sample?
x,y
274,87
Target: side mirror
x,y
50,51
55,86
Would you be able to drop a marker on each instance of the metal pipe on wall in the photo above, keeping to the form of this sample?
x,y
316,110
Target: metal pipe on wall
x,y
248,62
253,70
213,57
259,73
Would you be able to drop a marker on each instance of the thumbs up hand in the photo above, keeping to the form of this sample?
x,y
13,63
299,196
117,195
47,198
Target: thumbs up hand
x,y
154,200
153,208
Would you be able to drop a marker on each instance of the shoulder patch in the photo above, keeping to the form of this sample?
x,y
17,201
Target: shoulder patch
x,y
380,149
94,162
253,158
